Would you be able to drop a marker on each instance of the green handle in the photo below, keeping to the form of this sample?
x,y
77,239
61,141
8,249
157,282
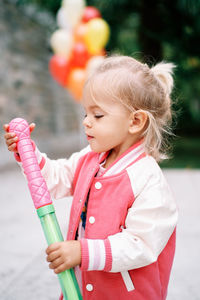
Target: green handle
x,y
53,234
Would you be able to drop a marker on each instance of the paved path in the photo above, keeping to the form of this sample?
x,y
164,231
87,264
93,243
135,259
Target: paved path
x,y
24,273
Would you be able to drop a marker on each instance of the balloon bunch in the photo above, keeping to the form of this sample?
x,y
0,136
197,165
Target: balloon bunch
x,y
78,45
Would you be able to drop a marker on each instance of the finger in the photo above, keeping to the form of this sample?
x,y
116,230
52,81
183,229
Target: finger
x,y
60,269
13,148
56,263
9,135
52,248
6,127
53,256
32,127
11,141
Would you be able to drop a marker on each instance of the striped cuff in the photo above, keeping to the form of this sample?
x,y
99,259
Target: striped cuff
x,y
96,255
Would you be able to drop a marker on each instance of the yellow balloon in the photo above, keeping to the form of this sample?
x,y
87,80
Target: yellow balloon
x,y
97,35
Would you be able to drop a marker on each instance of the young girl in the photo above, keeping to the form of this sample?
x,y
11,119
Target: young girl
x,y
121,236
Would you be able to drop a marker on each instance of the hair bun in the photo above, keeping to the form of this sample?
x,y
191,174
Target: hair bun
x,y
163,72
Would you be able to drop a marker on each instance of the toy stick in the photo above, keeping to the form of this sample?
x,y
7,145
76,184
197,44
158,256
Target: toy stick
x,y
42,202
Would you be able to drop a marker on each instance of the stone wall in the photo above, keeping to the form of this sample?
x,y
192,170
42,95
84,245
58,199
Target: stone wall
x,y
26,87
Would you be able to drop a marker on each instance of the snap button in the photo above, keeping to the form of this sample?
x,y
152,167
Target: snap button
x,y
89,287
98,185
91,220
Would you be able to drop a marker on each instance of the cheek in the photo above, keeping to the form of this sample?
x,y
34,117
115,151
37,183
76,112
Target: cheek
x,y
106,131
111,129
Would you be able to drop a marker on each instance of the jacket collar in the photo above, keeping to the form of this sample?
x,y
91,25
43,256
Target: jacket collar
x,y
133,154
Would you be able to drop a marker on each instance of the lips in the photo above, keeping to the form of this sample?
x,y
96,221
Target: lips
x,y
89,137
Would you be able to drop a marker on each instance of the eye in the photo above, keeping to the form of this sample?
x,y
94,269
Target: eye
x,y
98,116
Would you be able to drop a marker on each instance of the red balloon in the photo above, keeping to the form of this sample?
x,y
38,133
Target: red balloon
x,y
89,13
80,55
59,68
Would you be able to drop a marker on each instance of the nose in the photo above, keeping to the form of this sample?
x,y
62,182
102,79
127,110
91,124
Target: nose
x,y
87,122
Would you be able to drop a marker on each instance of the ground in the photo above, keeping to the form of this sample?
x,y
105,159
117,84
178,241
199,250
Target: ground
x,y
24,272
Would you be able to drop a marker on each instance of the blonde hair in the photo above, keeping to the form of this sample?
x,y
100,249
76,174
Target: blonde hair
x,y
139,87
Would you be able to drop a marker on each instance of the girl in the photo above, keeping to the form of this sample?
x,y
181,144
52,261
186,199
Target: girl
x,y
121,236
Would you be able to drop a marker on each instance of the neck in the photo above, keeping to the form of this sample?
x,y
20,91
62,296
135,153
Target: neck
x,y
115,153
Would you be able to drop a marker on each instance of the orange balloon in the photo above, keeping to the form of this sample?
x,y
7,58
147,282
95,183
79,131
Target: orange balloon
x,y
76,82
80,32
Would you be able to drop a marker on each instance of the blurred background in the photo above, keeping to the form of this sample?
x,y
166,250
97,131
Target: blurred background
x,y
151,31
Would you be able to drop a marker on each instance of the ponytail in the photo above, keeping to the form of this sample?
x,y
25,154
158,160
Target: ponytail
x,y
163,72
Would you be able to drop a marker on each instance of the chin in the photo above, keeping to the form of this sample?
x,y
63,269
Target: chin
x,y
97,149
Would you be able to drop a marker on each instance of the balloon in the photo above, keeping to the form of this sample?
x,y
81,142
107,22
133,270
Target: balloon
x,y
93,64
76,4
73,11
97,35
62,42
76,82
59,68
61,18
80,55
78,45
89,13
80,32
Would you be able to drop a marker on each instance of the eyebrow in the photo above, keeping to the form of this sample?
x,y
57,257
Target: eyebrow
x,y
93,107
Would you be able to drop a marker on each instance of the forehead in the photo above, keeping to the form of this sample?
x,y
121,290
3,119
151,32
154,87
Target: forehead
x,y
101,102
96,94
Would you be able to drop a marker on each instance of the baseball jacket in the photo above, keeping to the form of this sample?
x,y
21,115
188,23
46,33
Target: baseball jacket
x,y
129,242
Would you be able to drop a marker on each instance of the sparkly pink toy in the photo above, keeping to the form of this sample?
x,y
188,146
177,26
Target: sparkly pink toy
x,y
42,201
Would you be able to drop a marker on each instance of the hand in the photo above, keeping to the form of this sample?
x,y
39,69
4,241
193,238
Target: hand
x,y
64,255
11,139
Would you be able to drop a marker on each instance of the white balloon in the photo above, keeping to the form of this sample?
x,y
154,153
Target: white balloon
x,y
62,42
93,64
77,4
61,18
73,11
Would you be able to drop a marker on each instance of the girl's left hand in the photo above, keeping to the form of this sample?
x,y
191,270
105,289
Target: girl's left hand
x,y
64,255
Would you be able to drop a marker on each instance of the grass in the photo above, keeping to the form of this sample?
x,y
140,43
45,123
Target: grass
x,y
186,154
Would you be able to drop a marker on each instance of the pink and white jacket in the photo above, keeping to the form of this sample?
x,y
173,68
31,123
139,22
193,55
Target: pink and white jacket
x,y
129,242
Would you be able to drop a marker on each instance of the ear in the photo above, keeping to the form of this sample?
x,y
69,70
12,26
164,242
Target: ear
x,y
138,121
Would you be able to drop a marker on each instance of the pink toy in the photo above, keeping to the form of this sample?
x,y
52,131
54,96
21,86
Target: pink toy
x,y
42,202
36,183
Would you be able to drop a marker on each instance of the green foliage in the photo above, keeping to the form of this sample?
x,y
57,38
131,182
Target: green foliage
x,y
123,19
51,5
185,154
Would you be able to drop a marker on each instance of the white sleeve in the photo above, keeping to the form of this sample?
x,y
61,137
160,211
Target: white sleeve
x,y
59,174
149,223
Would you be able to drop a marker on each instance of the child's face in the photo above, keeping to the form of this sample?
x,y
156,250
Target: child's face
x,y
106,124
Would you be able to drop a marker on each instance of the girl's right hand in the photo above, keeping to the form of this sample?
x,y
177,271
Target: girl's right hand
x,y
11,139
